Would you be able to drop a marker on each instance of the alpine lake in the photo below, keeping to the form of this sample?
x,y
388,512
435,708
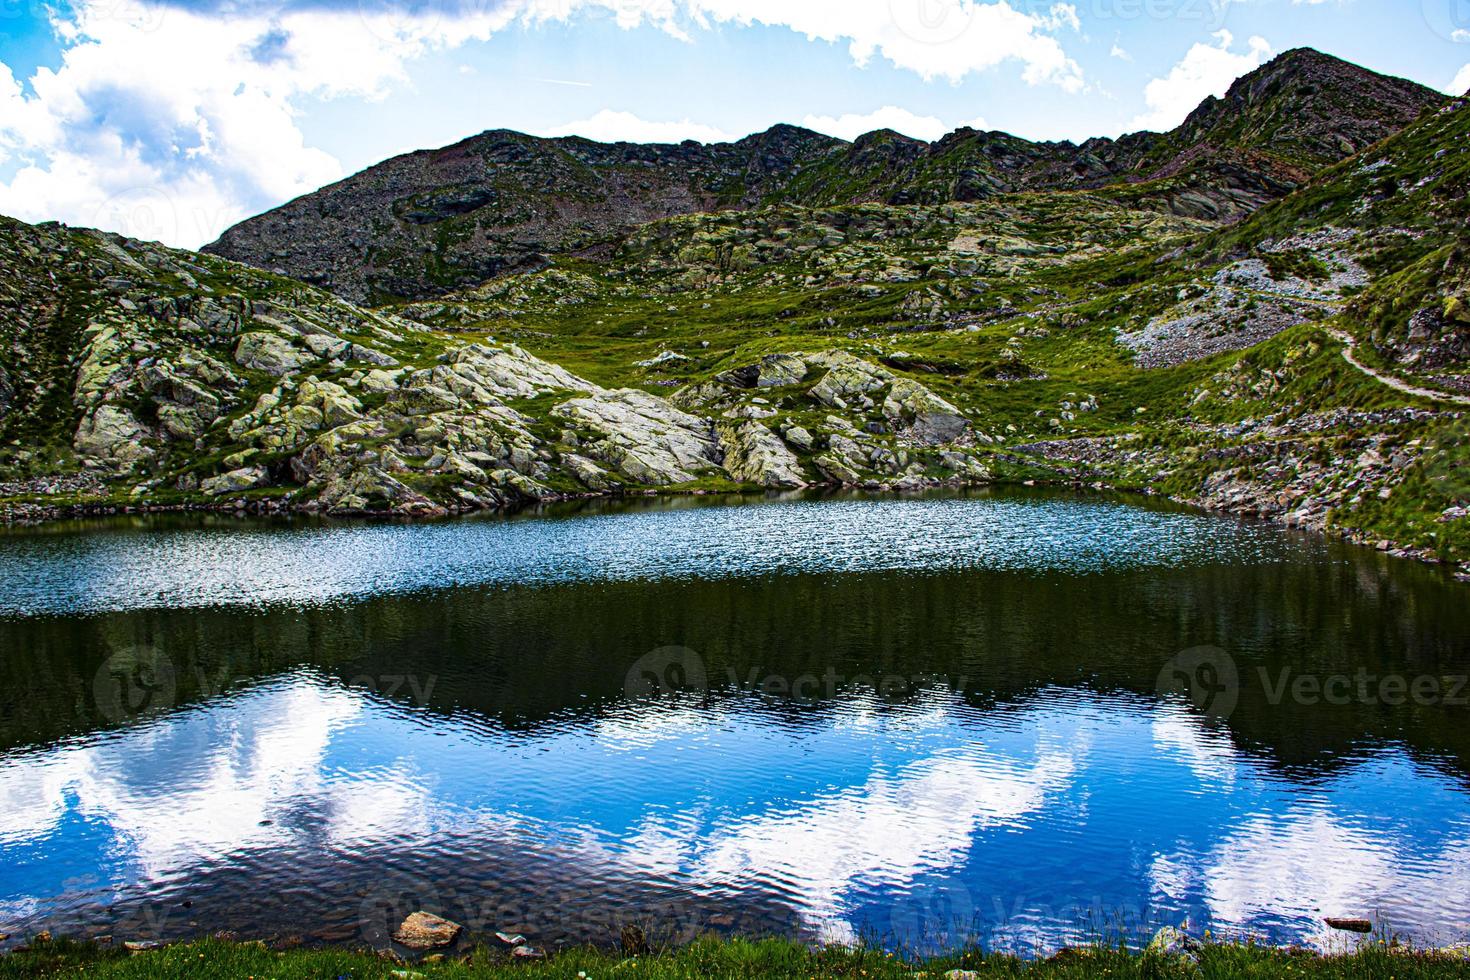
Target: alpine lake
x,y
1016,718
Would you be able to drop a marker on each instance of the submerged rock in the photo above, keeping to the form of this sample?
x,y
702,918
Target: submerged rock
x,y
1350,925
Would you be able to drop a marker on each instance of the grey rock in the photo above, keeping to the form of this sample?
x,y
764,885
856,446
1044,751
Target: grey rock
x,y
646,438
247,478
271,353
753,454
423,930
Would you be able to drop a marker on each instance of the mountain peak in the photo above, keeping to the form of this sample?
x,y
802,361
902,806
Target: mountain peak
x,y
507,199
1308,107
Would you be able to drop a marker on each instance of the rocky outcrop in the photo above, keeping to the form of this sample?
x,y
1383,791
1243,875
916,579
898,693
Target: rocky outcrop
x,y
753,454
642,436
271,353
771,371
927,419
114,435
849,382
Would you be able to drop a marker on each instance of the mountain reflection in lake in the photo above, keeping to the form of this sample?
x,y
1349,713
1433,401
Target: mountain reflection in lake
x,y
921,720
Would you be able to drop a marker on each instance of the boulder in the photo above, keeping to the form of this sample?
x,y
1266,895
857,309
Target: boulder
x,y
335,405
800,438
271,353
423,930
588,473
368,488
921,414
778,370
480,373
246,478
849,380
182,422
753,454
643,436
771,371
112,433
965,466
837,470
380,382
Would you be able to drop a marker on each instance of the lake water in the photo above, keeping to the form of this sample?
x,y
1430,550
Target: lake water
x,y
1021,719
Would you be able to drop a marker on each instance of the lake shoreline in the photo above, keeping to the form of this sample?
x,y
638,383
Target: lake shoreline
x,y
1171,953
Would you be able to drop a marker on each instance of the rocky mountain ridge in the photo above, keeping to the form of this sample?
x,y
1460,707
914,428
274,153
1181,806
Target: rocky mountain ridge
x,y
427,223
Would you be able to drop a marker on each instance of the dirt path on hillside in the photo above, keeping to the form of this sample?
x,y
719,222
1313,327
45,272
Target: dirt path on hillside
x,y
1349,346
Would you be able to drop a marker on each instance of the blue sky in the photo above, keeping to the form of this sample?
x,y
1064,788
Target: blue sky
x,y
171,120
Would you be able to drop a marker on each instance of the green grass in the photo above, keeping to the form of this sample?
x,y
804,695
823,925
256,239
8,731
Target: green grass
x,y
718,958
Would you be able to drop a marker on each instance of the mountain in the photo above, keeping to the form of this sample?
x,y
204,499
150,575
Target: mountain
x,y
427,223
1307,362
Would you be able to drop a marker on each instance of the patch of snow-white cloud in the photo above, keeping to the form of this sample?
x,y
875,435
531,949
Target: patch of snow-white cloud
x,y
1460,85
948,39
168,124
1205,70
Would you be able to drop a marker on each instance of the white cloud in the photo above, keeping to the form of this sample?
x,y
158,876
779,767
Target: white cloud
x,y
934,38
1119,52
612,126
168,124
851,125
1461,83
1207,69
1461,36
163,121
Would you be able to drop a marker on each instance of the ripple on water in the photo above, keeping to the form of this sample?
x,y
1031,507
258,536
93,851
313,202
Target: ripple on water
x,y
1021,822
264,565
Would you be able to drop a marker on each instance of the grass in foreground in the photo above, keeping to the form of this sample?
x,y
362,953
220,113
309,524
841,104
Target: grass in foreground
x,y
720,958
